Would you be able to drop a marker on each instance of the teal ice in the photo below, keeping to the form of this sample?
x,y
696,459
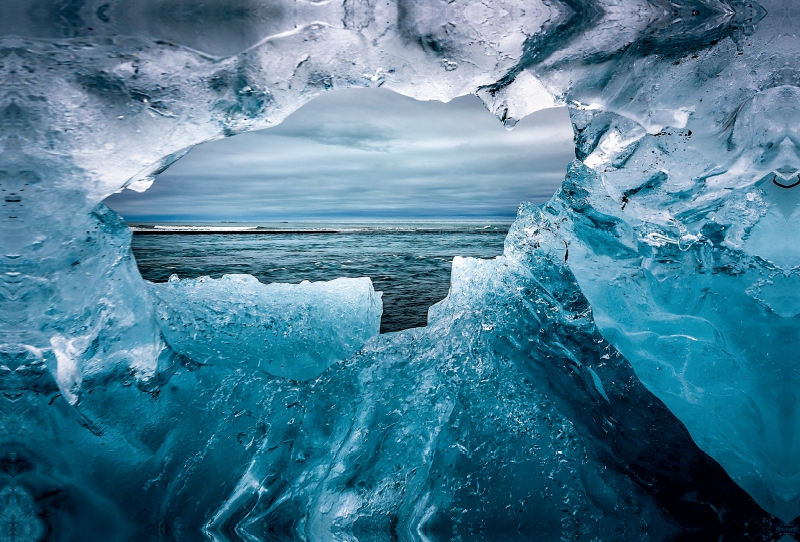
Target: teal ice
x,y
626,371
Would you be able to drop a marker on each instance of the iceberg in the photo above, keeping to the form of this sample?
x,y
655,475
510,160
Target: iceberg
x,y
626,371
294,331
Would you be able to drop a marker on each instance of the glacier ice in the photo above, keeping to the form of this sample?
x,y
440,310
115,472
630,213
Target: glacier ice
x,y
626,371
295,331
418,434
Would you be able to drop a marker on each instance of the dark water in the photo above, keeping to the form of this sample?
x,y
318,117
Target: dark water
x,y
409,262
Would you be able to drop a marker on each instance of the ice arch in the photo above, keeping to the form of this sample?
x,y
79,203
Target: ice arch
x,y
365,153
677,127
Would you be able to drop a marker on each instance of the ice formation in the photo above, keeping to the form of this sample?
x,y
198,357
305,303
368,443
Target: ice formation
x,y
291,330
626,371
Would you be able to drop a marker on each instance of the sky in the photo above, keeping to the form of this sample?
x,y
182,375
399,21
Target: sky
x,y
365,154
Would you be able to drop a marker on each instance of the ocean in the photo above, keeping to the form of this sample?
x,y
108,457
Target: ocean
x,y
409,262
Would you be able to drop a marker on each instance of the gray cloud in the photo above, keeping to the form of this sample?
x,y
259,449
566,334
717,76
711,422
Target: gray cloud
x,y
365,137
365,154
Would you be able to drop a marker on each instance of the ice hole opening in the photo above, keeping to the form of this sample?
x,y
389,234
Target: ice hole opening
x,y
405,185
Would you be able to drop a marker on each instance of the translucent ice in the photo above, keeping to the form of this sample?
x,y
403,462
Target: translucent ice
x,y
132,411
291,330
681,221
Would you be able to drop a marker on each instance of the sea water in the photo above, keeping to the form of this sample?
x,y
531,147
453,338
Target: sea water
x,y
409,262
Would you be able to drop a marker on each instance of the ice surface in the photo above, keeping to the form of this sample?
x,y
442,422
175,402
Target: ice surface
x,y
626,371
681,235
295,331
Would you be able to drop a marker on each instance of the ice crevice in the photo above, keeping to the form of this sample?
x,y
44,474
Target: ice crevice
x,y
626,371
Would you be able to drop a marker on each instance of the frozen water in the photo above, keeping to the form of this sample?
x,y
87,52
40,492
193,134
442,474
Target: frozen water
x,y
291,330
421,433
551,393
681,235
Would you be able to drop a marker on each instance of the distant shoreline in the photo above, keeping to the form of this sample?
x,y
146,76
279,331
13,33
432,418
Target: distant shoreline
x,y
153,231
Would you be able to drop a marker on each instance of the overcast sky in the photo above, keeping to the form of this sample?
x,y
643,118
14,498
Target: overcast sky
x,y
365,154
